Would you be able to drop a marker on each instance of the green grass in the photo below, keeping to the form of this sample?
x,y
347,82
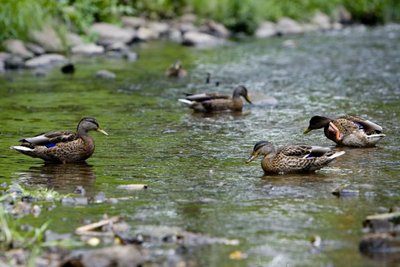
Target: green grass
x,y
18,17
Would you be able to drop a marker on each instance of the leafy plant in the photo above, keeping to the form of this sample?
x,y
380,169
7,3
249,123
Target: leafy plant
x,y
18,17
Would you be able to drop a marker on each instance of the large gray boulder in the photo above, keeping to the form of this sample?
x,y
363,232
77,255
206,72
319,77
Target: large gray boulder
x,y
214,28
35,49
322,21
288,26
266,29
74,39
199,39
133,22
48,39
162,28
145,34
45,61
109,33
18,48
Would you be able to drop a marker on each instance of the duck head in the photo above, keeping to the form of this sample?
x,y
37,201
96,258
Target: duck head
x,y
261,148
87,124
317,122
241,91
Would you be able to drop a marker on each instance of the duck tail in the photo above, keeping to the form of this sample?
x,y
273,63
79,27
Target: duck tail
x,y
185,101
336,154
375,138
21,149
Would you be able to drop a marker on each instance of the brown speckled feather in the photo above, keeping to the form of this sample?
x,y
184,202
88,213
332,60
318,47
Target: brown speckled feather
x,y
62,146
293,158
348,130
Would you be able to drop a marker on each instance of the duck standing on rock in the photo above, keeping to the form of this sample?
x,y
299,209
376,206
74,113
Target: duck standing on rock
x,y
348,130
176,70
213,102
292,158
62,146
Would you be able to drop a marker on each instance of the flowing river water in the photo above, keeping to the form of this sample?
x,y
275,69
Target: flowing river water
x,y
194,164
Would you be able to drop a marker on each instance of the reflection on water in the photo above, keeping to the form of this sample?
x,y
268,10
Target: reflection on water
x,y
61,177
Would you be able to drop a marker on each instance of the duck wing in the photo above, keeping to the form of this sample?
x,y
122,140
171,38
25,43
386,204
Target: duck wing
x,y
49,139
369,127
295,150
206,96
305,151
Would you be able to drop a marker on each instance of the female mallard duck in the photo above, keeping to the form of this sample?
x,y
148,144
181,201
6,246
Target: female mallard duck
x,y
211,102
62,146
348,130
176,70
292,158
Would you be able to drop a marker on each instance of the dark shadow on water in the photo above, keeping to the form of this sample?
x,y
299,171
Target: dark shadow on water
x,y
61,177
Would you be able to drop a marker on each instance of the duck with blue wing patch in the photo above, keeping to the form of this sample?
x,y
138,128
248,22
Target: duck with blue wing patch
x,y
348,130
62,146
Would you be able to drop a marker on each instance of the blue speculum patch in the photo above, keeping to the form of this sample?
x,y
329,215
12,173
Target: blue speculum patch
x,y
50,145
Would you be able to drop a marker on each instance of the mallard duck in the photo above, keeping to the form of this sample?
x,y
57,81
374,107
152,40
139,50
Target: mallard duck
x,y
62,146
176,70
211,102
348,130
292,158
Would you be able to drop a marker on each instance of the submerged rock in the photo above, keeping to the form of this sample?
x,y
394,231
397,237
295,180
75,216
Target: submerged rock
x,y
105,74
121,256
385,222
380,243
384,235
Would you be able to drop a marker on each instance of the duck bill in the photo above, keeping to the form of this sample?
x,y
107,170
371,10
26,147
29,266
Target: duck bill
x,y
248,99
306,130
251,158
102,131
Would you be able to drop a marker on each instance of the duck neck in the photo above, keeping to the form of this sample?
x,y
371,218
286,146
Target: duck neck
x,y
82,132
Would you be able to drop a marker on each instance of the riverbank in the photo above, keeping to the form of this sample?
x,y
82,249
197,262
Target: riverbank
x,y
48,47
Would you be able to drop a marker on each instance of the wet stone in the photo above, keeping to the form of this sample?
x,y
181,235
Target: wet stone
x,y
53,236
105,74
78,201
14,62
380,243
121,256
100,198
